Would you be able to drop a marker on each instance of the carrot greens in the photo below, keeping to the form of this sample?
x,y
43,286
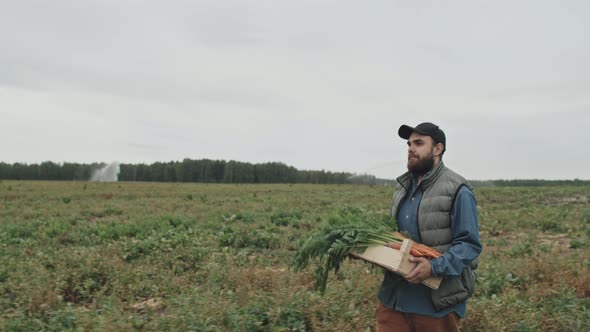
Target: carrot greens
x,y
350,229
347,230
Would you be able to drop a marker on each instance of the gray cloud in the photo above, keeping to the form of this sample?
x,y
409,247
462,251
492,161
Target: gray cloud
x,y
314,84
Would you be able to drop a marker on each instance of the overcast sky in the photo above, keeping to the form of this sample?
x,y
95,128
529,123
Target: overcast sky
x,y
313,84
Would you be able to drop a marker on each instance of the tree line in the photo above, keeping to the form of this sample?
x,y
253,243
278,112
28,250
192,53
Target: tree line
x,y
528,183
187,170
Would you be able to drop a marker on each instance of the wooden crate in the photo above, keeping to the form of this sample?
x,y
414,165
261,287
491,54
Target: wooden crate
x,y
395,260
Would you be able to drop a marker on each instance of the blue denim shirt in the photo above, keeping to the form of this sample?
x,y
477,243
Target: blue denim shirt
x,y
396,292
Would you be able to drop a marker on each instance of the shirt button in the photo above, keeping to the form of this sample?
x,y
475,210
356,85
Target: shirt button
x,y
407,217
412,198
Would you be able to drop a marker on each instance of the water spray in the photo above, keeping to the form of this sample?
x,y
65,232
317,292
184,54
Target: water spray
x,y
109,173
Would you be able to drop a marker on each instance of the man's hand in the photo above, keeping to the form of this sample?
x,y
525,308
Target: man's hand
x,y
422,271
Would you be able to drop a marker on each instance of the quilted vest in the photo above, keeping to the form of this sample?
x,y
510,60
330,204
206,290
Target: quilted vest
x,y
439,186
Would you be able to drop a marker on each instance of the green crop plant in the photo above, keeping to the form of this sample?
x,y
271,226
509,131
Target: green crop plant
x,y
144,256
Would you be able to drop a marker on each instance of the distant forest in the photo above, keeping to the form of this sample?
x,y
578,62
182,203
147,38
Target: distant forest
x,y
188,170
528,183
220,171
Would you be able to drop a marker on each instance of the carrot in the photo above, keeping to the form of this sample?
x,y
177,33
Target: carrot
x,y
395,245
417,250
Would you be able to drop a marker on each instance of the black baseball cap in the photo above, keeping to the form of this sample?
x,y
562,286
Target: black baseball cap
x,y
425,128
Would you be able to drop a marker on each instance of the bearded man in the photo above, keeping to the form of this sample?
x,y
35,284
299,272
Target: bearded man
x,y
434,206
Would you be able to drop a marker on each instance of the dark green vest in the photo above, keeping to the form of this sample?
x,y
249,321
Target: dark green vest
x,y
439,186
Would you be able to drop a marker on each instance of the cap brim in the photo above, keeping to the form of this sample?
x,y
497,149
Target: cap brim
x,y
405,131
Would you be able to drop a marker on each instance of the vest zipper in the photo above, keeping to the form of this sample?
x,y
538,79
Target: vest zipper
x,y
418,214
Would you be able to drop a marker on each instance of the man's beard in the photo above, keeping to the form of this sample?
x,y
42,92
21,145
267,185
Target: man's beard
x,y
421,166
